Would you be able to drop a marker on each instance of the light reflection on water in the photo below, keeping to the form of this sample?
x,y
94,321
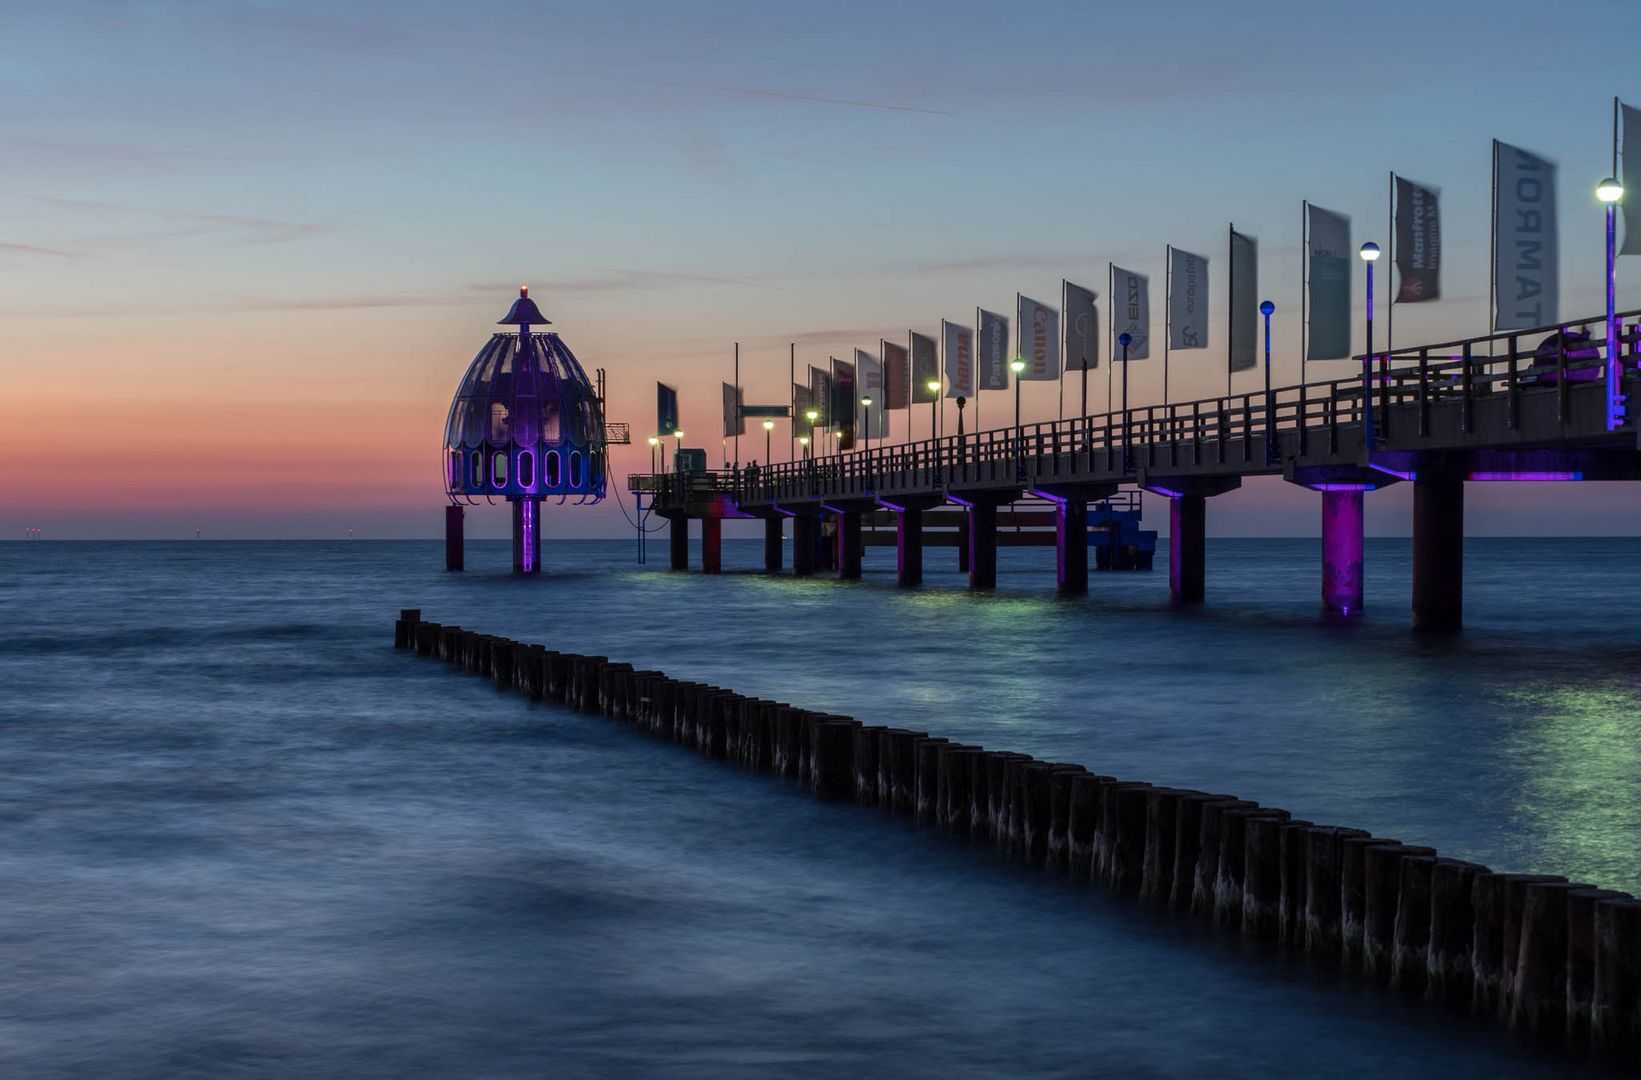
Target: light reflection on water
x,y
247,838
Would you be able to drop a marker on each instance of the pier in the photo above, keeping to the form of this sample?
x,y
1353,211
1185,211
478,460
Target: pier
x,y
1525,405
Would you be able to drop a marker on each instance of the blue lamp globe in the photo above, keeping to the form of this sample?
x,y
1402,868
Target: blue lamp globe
x,y
1266,307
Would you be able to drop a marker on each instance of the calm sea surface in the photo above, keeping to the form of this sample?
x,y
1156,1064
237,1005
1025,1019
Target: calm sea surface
x,y
244,837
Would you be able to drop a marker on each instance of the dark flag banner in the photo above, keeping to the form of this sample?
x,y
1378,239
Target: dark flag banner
x,y
1327,242
820,395
802,402
666,409
925,368
843,403
1082,328
894,376
1630,174
1244,301
1526,270
994,350
1418,243
734,418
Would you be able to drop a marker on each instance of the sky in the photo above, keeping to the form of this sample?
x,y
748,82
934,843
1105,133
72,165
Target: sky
x,y
248,250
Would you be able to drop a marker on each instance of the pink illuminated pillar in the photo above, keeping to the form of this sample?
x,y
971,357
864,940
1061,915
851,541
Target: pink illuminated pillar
x,y
1342,553
1187,549
712,545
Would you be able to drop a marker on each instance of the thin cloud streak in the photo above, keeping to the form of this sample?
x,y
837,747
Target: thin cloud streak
x,y
253,230
752,91
34,249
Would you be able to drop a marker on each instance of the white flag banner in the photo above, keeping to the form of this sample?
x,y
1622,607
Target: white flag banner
x,y
1082,325
1039,340
957,343
869,384
1244,314
1187,301
1526,276
1130,313
994,350
1328,284
1630,174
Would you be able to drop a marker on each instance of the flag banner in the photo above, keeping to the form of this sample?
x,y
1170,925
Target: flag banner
x,y
925,368
1039,344
820,396
896,379
1187,301
994,350
1131,312
1526,277
1418,243
1630,174
666,409
1329,258
958,342
734,418
803,400
1244,317
843,403
869,384
1082,327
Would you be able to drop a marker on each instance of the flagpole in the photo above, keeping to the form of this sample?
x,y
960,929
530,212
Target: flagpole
x,y
1065,354
1230,303
1304,298
1111,324
979,380
1493,243
1390,273
1167,312
739,423
792,401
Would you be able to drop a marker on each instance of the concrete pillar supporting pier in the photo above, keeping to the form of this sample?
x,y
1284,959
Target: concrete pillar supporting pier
x,y
909,547
1187,529
1438,554
678,541
963,545
1342,553
983,546
849,545
455,549
526,535
805,542
712,545
1071,532
772,544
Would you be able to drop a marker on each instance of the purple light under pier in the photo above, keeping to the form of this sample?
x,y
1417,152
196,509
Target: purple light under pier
x,y
526,536
1342,551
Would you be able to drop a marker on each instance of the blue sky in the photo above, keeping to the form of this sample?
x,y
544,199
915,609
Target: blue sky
x,y
305,217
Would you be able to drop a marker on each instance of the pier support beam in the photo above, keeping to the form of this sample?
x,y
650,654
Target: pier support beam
x,y
712,545
909,547
1187,529
526,535
1342,553
678,541
982,551
1438,554
772,545
1187,549
805,544
455,548
849,545
1071,547
963,544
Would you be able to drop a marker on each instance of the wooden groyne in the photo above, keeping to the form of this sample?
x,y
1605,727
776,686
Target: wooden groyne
x,y
1542,954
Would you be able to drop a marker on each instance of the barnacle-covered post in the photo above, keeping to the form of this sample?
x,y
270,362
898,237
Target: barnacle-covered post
x,y
526,425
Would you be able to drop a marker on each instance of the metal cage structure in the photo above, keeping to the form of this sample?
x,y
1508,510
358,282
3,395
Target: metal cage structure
x,y
526,424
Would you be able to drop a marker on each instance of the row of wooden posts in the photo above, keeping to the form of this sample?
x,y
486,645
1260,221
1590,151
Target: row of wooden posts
x,y
1540,953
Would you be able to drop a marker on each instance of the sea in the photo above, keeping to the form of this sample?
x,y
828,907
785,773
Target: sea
x,y
244,837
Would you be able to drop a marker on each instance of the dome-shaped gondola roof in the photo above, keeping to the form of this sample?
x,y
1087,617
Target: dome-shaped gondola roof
x,y
525,419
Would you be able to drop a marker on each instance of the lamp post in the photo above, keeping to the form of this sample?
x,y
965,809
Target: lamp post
x,y
655,442
934,408
769,426
1124,339
866,417
1611,192
1369,252
1017,365
803,441
812,415
1266,308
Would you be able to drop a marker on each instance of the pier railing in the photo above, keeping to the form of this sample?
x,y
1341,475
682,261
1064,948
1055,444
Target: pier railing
x,y
1246,432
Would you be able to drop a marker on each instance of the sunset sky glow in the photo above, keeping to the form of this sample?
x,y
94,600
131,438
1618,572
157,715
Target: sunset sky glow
x,y
249,249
